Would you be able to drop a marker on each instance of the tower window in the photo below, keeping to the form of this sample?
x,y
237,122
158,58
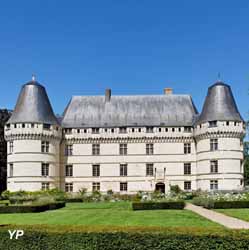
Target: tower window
x,y
69,187
11,147
149,169
11,170
96,170
45,169
123,149
214,166
96,186
123,169
213,144
149,149
69,150
69,170
95,149
45,146
187,148
187,168
213,185
123,186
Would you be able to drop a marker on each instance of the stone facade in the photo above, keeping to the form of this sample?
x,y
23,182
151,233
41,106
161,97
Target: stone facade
x,y
121,155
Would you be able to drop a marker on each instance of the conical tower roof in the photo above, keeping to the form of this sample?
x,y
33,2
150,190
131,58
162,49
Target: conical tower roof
x,y
33,106
219,105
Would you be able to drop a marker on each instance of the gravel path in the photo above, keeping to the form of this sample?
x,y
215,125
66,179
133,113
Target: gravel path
x,y
222,219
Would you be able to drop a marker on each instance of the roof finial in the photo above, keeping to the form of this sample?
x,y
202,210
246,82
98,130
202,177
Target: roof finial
x,y
33,77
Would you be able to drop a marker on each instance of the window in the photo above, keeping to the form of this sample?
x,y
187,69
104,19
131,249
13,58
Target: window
x,y
149,169
11,170
122,130
149,149
187,185
112,130
69,170
123,186
213,144
139,130
45,186
173,129
212,124
227,123
69,187
45,146
187,168
23,125
95,149
69,150
85,130
187,148
46,126
68,131
123,169
166,129
11,147
159,130
78,131
45,169
132,130
179,129
214,166
149,129
95,130
96,170
123,149
96,186
213,185
187,129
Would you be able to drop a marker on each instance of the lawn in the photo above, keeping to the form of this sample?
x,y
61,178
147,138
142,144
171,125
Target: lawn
x,y
104,214
240,213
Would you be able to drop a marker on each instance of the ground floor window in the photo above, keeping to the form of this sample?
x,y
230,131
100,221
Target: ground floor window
x,y
69,187
96,186
45,186
123,186
187,185
213,185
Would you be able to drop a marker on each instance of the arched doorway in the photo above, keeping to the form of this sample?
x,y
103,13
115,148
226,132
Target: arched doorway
x,y
160,187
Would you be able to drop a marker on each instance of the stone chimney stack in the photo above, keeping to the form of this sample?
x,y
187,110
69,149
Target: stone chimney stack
x,y
108,93
168,91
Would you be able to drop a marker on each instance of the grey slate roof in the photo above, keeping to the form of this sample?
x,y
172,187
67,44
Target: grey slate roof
x,y
33,106
219,105
150,110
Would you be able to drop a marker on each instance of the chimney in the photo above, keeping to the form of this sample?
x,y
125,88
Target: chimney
x,y
108,93
168,91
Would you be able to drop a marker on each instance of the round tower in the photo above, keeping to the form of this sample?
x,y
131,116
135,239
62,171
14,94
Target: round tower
x,y
33,135
219,133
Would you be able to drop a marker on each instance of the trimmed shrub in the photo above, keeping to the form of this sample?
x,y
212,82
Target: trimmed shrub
x,y
231,204
113,238
69,200
158,205
32,208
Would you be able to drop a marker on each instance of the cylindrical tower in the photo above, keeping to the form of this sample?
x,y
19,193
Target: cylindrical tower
x,y
219,133
33,135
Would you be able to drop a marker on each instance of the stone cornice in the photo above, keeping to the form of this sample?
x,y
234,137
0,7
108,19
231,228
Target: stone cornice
x,y
31,136
220,134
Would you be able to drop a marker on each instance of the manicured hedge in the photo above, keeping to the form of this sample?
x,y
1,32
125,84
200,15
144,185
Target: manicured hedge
x,y
74,200
158,205
122,239
231,204
31,208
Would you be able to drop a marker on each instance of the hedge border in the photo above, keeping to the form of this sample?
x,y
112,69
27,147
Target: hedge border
x,y
158,205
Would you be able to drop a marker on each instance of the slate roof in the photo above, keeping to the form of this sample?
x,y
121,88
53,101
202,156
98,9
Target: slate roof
x,y
219,105
33,106
137,110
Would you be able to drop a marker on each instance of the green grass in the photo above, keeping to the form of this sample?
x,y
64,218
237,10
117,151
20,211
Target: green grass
x,y
240,213
104,214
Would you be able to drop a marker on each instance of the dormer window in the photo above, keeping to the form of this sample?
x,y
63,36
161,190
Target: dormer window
x,y
23,125
46,126
227,123
187,129
122,130
149,129
95,130
68,131
212,124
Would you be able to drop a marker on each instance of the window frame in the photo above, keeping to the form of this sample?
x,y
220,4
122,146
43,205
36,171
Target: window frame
x,y
123,169
95,170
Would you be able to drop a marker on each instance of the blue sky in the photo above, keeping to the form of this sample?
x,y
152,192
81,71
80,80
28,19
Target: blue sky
x,y
132,46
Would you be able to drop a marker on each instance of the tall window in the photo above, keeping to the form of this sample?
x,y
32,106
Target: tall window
x,y
96,186
123,149
96,170
122,130
123,169
95,130
45,147
149,149
45,169
187,185
45,186
214,166
187,148
95,149
11,147
123,186
187,168
11,170
149,169
69,187
213,144
69,170
69,150
149,129
213,185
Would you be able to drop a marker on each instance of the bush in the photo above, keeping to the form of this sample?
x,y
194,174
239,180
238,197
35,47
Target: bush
x,y
158,205
72,199
175,189
31,208
113,238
